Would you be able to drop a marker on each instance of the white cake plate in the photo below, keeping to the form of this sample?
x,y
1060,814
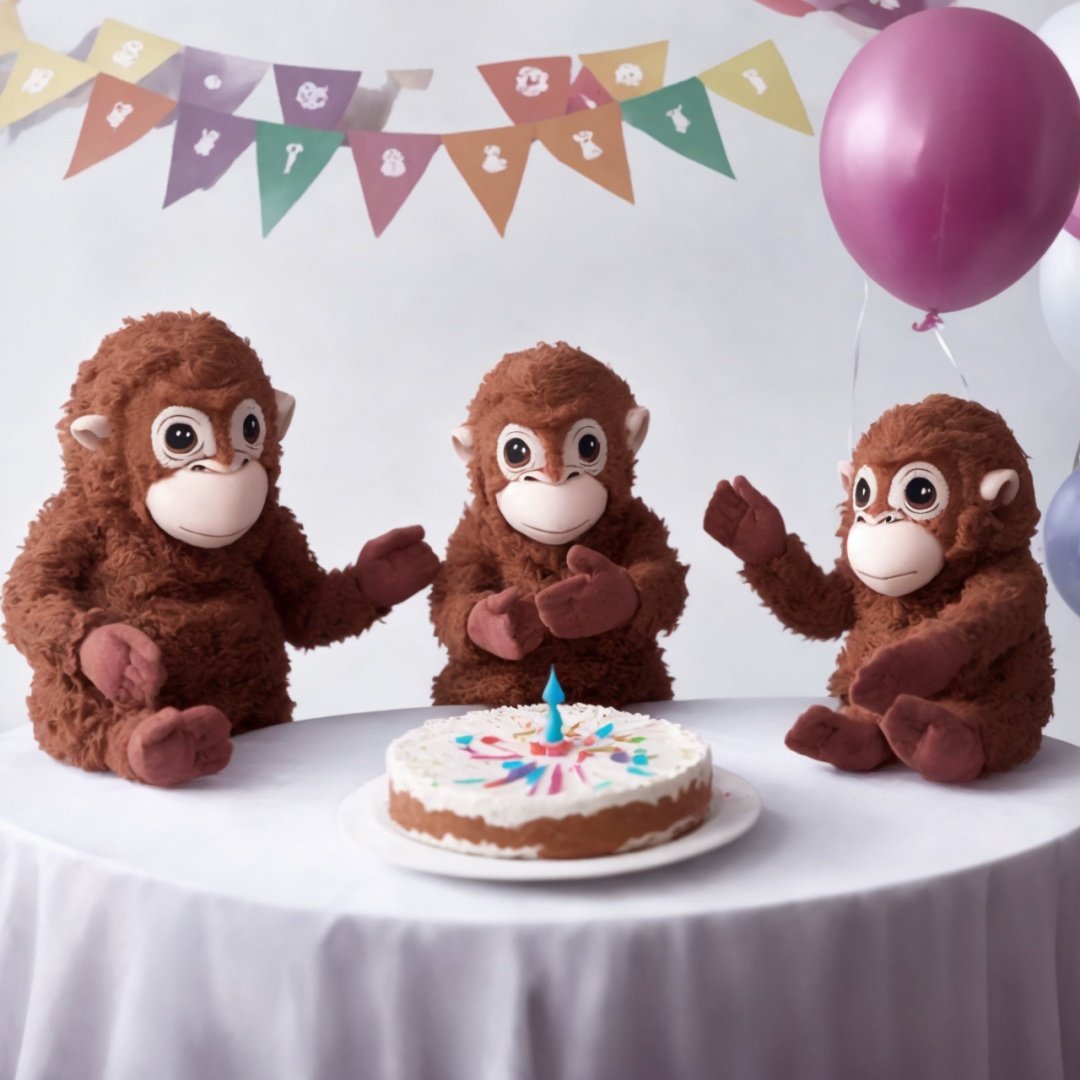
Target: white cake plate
x,y
364,817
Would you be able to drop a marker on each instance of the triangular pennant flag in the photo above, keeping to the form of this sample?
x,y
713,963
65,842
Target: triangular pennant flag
x,y
38,78
586,92
314,97
628,73
758,79
289,158
389,167
492,163
117,115
205,145
681,117
591,143
217,81
12,34
129,53
530,90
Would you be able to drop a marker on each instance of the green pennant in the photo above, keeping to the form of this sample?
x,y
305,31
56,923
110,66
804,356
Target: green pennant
x,y
289,159
681,117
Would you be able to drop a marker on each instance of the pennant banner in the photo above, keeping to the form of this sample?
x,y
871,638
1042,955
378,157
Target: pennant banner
x,y
11,30
629,73
129,53
217,81
39,77
289,159
759,80
592,144
205,145
530,89
680,117
314,97
586,92
118,115
492,163
389,167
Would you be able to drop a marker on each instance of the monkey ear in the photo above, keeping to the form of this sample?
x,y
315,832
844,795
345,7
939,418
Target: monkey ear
x,y
90,430
462,438
286,406
637,427
846,469
1001,484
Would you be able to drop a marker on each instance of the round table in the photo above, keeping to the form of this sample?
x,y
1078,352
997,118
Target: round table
x,y
868,926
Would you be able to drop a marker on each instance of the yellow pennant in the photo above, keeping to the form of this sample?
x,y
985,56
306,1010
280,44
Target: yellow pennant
x,y
129,53
39,77
628,73
11,31
759,80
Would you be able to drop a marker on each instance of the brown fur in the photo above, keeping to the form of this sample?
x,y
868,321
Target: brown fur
x,y
548,388
94,556
990,596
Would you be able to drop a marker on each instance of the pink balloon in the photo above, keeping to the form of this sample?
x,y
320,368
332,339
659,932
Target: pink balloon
x,y
950,156
877,15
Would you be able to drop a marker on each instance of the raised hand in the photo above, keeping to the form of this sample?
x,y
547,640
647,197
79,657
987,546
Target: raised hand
x,y
394,566
601,596
123,663
923,665
505,625
744,521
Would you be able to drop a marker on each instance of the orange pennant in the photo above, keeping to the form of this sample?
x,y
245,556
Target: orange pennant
x,y
492,163
591,142
628,73
118,115
530,89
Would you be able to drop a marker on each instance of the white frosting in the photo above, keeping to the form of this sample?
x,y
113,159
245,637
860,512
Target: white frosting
x,y
615,758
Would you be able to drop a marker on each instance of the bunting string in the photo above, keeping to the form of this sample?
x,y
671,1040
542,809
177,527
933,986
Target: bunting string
x,y
578,116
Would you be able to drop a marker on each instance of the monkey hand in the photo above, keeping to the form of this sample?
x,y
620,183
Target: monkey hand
x,y
505,625
123,663
923,665
743,520
395,565
601,596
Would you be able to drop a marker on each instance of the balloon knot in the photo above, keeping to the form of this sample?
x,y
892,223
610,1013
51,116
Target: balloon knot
x,y
931,321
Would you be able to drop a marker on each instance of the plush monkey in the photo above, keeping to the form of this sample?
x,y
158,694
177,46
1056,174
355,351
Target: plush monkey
x,y
155,593
947,661
555,561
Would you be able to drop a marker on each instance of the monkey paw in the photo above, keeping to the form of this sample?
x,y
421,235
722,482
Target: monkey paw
x,y
170,747
394,566
743,520
921,665
600,596
505,625
850,742
933,740
123,663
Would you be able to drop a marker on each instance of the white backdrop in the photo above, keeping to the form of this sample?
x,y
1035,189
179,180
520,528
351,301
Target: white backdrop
x,y
729,307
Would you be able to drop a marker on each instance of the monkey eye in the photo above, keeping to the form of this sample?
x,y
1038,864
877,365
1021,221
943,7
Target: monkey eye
x,y
585,445
247,428
180,434
862,493
864,489
920,489
588,448
180,437
516,453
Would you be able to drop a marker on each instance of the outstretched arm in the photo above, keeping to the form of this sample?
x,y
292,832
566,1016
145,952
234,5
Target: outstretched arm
x,y
777,565
317,607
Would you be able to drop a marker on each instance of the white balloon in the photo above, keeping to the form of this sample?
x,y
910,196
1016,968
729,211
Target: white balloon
x,y
1062,33
1059,292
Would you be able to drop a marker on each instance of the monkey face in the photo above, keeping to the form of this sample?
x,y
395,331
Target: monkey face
x,y
552,497
215,487
891,547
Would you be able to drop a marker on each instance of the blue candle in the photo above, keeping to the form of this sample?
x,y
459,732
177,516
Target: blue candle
x,y
554,696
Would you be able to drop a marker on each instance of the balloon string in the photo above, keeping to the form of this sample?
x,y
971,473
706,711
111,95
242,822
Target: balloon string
x,y
1076,458
952,360
855,367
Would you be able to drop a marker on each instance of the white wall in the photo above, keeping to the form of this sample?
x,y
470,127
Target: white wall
x,y
729,306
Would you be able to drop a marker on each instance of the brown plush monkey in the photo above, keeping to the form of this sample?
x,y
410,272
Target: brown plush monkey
x,y
947,660
155,593
555,561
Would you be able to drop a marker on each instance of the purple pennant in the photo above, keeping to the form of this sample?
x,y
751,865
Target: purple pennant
x,y
206,143
217,81
314,97
389,167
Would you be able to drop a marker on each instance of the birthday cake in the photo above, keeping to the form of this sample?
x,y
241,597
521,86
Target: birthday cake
x,y
491,783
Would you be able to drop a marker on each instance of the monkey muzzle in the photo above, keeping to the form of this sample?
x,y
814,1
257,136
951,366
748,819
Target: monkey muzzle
x,y
553,512
208,504
894,557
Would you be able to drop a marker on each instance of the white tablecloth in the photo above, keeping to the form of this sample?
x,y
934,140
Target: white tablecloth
x,y
869,926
